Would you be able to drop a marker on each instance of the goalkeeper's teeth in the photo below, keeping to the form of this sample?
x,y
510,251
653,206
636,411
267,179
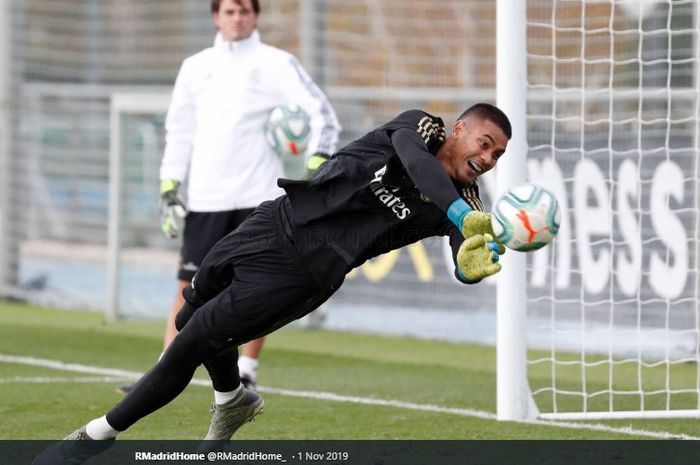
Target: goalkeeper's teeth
x,y
475,167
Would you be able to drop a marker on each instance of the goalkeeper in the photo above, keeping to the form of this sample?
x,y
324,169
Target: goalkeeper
x,y
398,184
215,141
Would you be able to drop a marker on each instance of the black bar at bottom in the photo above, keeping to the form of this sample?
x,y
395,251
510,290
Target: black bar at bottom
x,y
402,452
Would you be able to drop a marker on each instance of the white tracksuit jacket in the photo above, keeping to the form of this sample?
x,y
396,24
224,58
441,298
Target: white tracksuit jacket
x,y
215,123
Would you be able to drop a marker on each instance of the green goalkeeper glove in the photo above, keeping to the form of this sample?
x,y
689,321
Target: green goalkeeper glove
x,y
478,257
476,222
470,222
314,162
171,208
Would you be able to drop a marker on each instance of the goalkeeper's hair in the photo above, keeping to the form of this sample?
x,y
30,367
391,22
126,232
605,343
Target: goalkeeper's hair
x,y
491,113
216,4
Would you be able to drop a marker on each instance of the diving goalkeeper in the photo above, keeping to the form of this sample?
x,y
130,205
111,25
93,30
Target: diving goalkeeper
x,y
398,184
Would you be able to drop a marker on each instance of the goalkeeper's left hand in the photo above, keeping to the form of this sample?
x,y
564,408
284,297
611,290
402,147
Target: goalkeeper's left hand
x,y
470,222
476,222
171,208
314,162
478,257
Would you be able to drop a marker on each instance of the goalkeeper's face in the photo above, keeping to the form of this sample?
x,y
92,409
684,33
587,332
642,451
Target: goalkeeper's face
x,y
236,19
472,149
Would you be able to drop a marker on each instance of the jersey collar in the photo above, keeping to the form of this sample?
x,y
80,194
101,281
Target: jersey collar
x,y
237,45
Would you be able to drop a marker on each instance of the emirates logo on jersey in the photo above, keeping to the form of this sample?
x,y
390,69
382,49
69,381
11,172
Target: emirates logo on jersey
x,y
388,196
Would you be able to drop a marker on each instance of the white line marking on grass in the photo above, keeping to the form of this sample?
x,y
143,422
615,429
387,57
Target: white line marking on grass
x,y
74,367
61,379
329,396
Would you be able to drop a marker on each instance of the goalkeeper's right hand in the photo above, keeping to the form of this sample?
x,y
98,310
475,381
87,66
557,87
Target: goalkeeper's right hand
x,y
171,208
477,258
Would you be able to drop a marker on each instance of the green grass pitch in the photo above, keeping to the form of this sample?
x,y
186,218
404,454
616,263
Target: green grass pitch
x,y
45,403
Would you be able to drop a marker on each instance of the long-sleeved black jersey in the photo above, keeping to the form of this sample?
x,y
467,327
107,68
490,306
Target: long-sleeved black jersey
x,y
379,193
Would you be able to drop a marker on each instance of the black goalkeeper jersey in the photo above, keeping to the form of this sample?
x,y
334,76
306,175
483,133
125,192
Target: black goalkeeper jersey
x,y
363,202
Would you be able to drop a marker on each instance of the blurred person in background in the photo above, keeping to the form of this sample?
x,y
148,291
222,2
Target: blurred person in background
x,y
215,141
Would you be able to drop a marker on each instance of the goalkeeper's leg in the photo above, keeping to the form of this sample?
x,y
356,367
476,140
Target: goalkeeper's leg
x,y
221,365
195,345
155,389
166,380
234,404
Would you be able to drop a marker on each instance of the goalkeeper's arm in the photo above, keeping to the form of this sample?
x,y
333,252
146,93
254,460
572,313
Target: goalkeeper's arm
x,y
431,179
476,257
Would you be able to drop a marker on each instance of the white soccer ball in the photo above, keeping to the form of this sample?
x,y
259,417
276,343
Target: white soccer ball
x,y
287,129
526,218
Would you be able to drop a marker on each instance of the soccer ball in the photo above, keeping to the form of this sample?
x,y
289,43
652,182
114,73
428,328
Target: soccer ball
x,y
526,218
287,129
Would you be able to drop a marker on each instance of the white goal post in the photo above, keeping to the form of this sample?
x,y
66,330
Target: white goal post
x,y
121,104
513,395
604,97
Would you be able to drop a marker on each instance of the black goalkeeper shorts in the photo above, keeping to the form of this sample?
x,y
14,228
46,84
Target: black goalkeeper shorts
x,y
251,283
201,231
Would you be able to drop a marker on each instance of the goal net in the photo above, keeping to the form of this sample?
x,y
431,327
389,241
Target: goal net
x,y
613,111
